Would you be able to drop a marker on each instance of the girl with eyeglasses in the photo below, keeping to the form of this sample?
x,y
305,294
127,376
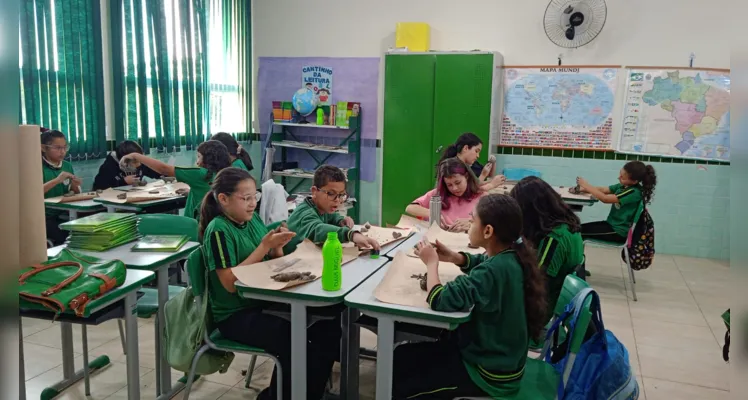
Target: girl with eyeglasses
x,y
59,178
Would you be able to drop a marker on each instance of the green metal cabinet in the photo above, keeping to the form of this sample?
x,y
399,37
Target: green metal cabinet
x,y
429,100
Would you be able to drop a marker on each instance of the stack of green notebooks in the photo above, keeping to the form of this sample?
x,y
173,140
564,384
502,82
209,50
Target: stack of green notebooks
x,y
161,243
101,232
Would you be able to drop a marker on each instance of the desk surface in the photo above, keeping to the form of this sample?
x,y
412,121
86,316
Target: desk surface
x,y
354,273
363,298
83,205
133,281
139,205
148,261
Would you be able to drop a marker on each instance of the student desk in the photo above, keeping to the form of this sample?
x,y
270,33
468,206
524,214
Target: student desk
x,y
575,201
127,293
362,298
312,295
74,207
158,263
142,206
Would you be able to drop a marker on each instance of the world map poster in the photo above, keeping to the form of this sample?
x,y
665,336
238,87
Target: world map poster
x,y
677,113
558,107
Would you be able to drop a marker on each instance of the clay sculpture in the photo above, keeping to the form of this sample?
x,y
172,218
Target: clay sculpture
x,y
293,276
421,280
122,196
397,235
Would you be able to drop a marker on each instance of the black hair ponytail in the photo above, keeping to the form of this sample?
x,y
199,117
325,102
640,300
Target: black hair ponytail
x,y
503,213
215,157
234,149
645,175
225,182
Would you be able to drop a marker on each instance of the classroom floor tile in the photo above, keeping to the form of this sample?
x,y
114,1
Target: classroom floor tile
x,y
674,335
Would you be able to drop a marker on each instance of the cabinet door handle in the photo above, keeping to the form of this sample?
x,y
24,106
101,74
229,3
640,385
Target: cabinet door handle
x,y
439,149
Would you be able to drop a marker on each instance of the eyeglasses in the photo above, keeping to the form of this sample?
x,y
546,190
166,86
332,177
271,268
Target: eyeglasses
x,y
335,196
57,148
249,199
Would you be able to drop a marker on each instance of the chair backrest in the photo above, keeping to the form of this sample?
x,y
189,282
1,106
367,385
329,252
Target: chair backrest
x,y
638,215
572,286
516,174
168,224
577,337
196,271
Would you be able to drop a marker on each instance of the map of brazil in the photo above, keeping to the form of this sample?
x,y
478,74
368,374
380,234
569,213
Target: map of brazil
x,y
563,107
682,113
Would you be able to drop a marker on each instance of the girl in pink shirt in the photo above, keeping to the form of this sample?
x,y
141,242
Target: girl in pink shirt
x,y
459,191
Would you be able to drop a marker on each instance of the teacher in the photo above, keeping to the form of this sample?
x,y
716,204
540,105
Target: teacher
x,y
467,148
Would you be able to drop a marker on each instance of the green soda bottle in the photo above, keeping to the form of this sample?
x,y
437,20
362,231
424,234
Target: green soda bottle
x,y
332,262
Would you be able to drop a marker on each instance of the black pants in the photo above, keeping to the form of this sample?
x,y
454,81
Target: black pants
x,y
54,234
601,230
431,370
273,334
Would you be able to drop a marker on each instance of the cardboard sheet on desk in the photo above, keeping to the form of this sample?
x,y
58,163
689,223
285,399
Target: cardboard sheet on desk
x,y
384,235
71,199
399,287
561,190
165,191
457,241
309,259
406,221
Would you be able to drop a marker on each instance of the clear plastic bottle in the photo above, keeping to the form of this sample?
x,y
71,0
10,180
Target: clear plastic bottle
x,y
332,262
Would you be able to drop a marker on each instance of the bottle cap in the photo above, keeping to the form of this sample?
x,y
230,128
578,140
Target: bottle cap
x,y
374,254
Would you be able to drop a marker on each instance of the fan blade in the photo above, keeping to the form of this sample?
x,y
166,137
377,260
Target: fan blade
x,y
570,33
568,10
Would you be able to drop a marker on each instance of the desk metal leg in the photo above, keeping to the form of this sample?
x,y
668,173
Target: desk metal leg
x,y
68,365
164,373
21,366
385,356
72,214
349,361
298,351
131,329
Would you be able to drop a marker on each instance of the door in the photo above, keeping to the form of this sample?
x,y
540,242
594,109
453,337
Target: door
x,y
407,162
462,100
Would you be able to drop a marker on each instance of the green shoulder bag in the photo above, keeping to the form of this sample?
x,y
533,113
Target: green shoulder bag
x,y
69,281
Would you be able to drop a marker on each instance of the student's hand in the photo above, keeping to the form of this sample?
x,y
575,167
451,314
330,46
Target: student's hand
x,y
347,222
64,175
365,242
427,253
582,182
275,239
76,181
129,179
448,255
461,225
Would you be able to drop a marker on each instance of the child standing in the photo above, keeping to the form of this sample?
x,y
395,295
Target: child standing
x,y
111,175
317,215
59,179
506,292
636,184
232,234
552,228
212,157
237,154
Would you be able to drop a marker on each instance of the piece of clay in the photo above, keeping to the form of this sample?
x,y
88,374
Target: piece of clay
x,y
153,192
69,194
182,192
141,183
421,280
293,276
99,191
397,235
575,190
122,196
472,246
367,225
169,179
364,230
492,159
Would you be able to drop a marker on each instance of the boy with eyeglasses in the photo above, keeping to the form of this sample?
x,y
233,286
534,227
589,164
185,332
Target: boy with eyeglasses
x,y
317,215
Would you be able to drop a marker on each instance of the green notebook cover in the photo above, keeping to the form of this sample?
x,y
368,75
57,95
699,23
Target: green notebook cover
x,y
161,243
102,247
97,222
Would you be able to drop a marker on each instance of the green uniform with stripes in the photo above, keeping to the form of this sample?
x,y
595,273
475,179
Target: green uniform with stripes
x,y
494,341
559,254
225,245
622,214
197,179
50,172
308,223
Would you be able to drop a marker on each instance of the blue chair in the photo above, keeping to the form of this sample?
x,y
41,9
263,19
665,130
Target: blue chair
x,y
516,174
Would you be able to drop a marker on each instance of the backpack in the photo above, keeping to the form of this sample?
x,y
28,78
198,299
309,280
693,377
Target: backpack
x,y
184,333
601,368
726,347
642,241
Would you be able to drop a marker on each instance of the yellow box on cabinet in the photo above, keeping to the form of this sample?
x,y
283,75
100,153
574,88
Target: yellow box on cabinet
x,y
416,36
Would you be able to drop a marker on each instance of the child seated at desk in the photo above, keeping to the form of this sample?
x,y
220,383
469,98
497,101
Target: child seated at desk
x,y
111,174
59,179
459,191
232,234
317,215
212,157
552,228
506,291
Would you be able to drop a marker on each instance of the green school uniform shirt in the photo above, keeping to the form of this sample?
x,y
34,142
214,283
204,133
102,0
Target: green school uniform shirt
x,y
559,254
238,163
309,223
199,186
226,244
494,342
622,214
50,172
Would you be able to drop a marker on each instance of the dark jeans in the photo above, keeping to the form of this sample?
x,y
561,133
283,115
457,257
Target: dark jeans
x,y
54,234
273,334
601,230
431,370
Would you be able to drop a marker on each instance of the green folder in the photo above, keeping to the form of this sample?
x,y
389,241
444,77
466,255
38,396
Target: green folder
x,y
161,243
99,222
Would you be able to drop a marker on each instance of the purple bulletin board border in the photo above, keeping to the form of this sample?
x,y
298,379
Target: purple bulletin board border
x,y
354,79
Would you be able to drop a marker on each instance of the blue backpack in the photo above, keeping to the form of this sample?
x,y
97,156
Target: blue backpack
x,y
601,369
